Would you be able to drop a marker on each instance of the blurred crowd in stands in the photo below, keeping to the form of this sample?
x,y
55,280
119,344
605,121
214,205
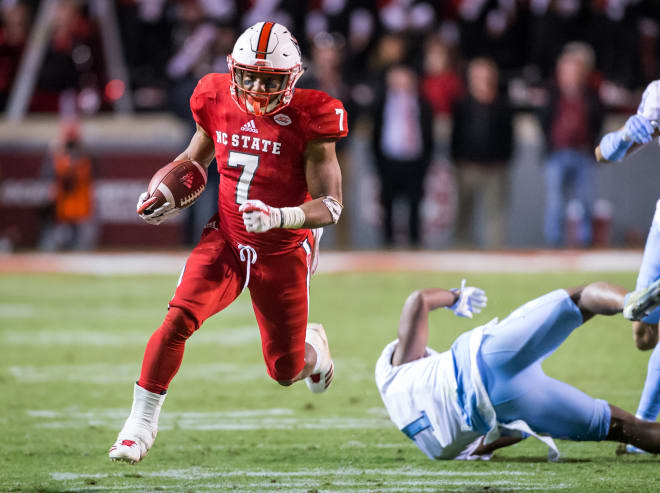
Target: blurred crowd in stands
x,y
475,62
167,43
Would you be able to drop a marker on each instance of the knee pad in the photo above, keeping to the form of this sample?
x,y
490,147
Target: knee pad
x,y
178,324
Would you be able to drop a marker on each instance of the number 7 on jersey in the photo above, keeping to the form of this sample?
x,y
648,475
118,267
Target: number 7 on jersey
x,y
250,163
340,112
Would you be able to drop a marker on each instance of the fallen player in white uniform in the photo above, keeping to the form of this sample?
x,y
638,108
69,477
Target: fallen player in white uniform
x,y
489,391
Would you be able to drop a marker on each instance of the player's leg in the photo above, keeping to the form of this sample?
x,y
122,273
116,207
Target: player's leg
x,y
533,331
557,409
387,194
649,404
552,407
649,272
468,192
414,178
496,203
554,210
583,184
293,349
645,332
638,433
210,281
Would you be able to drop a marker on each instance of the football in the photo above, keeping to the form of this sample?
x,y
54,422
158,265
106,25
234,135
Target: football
x,y
179,182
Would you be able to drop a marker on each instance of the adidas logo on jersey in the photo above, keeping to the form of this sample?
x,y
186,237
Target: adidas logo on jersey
x,y
250,127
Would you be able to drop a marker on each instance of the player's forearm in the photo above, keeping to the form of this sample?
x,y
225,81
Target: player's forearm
x,y
499,443
413,332
439,298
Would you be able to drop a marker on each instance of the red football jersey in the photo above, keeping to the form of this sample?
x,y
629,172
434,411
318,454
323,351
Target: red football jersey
x,y
262,157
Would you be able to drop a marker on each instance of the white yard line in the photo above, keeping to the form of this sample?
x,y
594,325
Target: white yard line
x,y
116,373
269,419
200,473
230,337
107,373
330,480
17,310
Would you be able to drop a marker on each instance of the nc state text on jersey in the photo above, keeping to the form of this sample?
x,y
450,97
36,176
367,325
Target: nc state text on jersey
x,y
248,142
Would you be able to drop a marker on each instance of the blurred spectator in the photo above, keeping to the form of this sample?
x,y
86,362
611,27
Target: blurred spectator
x,y
481,148
441,85
193,38
571,121
614,34
325,73
493,29
402,144
14,33
69,220
391,49
146,34
72,61
552,24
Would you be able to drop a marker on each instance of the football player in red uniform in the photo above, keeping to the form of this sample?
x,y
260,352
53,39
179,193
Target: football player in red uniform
x,y
280,182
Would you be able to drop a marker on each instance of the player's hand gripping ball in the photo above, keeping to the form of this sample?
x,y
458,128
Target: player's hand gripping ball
x,y
173,187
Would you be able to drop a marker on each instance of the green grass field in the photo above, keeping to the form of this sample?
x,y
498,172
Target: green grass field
x,y
71,346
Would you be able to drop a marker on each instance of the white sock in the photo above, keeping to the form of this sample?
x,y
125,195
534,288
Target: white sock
x,y
310,338
146,407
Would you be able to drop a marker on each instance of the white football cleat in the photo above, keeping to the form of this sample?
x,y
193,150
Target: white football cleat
x,y
132,444
321,378
140,429
641,302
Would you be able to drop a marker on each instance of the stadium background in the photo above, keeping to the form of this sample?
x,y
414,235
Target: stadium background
x,y
73,327
125,82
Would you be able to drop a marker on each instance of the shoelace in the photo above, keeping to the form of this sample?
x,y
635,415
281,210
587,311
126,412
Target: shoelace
x,y
249,256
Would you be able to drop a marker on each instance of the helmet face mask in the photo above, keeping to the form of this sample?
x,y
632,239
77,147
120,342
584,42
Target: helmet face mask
x,y
264,68
259,91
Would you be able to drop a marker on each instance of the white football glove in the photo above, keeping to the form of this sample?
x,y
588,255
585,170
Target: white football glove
x,y
470,301
159,215
259,217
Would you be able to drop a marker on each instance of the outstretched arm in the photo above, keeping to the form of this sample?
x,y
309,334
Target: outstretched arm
x,y
413,330
414,323
323,177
